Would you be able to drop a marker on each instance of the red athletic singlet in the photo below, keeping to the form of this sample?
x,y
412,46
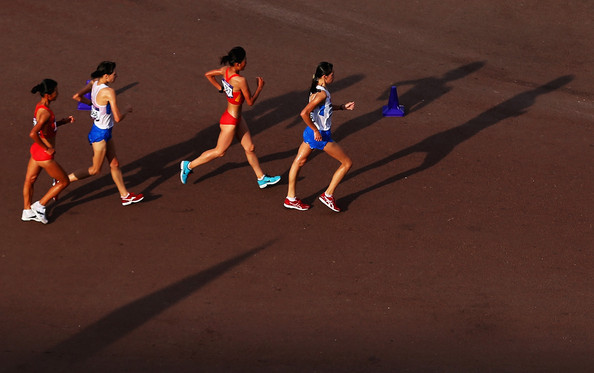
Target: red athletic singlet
x,y
235,98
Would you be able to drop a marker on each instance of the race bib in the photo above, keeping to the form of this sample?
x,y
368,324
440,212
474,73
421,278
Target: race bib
x,y
94,113
228,88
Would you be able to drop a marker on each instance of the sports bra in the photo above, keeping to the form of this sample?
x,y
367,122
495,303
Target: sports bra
x,y
235,98
51,132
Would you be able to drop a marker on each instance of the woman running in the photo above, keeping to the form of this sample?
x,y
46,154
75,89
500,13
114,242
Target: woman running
x,y
105,114
42,151
236,90
317,115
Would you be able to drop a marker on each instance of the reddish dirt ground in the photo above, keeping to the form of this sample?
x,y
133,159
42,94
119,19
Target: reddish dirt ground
x,y
466,236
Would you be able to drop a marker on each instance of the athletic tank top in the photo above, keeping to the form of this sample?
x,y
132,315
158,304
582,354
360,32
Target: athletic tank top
x,y
322,114
101,114
52,129
235,98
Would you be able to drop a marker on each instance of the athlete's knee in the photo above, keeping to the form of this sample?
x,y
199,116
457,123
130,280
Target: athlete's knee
x,y
114,163
300,162
63,183
347,163
250,148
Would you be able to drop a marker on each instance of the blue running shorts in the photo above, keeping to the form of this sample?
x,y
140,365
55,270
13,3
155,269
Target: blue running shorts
x,y
97,134
308,137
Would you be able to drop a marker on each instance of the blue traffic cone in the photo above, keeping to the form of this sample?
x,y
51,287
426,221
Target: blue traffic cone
x,y
394,109
82,105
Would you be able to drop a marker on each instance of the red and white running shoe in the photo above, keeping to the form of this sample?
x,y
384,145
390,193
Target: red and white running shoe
x,y
329,201
296,204
131,198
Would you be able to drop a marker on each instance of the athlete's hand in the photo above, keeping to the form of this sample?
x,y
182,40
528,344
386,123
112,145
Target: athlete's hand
x,y
66,120
260,82
349,106
50,151
317,135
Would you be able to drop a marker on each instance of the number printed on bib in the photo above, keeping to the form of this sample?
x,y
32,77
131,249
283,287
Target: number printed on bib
x,y
94,113
228,88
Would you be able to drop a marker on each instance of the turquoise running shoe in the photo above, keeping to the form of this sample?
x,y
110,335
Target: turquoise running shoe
x,y
268,180
184,171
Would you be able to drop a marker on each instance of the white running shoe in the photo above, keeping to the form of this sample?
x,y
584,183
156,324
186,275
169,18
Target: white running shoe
x,y
29,215
39,211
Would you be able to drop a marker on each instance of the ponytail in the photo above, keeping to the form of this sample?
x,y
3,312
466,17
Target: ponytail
x,y
235,55
47,86
324,68
105,67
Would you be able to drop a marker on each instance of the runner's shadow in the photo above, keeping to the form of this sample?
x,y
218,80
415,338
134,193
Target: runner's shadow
x,y
426,90
124,320
438,146
156,167
126,87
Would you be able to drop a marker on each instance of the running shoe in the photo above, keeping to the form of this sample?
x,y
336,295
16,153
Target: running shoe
x,y
184,171
39,211
268,180
29,215
296,204
329,201
131,198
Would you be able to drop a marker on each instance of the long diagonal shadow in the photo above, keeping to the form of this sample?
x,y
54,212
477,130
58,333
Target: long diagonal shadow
x,y
126,87
156,167
438,146
426,90
126,319
423,92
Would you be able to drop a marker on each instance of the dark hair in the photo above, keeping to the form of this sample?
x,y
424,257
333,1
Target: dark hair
x,y
235,55
105,67
47,86
324,68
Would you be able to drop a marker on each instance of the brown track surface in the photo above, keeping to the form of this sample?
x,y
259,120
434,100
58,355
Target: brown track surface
x,y
466,240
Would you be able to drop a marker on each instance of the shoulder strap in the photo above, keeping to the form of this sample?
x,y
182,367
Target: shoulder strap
x,y
227,78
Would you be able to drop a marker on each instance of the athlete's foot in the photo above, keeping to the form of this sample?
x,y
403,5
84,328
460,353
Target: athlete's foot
x,y
268,180
184,171
131,198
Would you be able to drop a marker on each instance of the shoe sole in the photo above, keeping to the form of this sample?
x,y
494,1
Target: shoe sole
x,y
335,209
295,207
